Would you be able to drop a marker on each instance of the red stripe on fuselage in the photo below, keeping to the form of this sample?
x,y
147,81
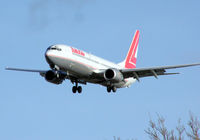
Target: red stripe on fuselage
x,y
72,60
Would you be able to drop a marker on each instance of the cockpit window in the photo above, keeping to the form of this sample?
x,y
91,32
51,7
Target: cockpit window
x,y
54,48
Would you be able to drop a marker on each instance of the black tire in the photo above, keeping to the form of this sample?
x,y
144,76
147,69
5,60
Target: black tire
x,y
114,89
79,89
108,89
74,89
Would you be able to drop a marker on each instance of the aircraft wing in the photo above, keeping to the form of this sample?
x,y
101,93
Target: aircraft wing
x,y
138,73
42,72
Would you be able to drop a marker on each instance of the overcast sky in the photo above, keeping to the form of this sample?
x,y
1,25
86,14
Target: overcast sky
x,y
33,109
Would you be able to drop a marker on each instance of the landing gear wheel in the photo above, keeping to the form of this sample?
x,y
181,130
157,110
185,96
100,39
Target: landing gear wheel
x,y
108,89
74,89
79,89
114,89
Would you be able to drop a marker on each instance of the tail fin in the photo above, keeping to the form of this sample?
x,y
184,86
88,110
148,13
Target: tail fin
x,y
131,58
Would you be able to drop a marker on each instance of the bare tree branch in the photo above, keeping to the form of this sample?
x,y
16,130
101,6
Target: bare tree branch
x,y
180,128
194,126
158,131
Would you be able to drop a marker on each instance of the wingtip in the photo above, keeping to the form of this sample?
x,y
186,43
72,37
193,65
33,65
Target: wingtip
x,y
8,68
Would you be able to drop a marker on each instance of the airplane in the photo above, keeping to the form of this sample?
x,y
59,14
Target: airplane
x,y
79,67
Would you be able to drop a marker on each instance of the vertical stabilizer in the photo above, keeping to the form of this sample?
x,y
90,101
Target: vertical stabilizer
x,y
131,58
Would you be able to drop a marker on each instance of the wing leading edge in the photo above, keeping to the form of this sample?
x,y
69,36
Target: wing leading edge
x,y
138,73
42,72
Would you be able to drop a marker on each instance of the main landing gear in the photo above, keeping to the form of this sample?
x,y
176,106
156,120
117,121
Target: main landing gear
x,y
76,88
113,88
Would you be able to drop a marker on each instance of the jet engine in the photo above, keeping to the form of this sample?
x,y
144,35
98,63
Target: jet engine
x,y
55,77
113,75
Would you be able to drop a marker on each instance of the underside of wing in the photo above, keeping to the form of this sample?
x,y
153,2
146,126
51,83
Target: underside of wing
x,y
153,71
52,76
26,70
42,72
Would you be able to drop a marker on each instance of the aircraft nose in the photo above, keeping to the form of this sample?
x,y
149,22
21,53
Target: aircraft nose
x,y
47,53
48,56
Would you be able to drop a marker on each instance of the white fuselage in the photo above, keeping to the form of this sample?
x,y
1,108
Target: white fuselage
x,y
81,64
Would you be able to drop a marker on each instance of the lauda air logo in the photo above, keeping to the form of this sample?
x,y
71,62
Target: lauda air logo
x,y
76,51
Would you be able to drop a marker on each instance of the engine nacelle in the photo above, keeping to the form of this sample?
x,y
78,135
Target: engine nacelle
x,y
113,75
54,77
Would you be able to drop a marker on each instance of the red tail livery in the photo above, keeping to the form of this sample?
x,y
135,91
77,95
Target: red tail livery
x,y
131,58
